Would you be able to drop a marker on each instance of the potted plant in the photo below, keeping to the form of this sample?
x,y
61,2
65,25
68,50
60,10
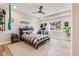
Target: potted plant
x,y
67,32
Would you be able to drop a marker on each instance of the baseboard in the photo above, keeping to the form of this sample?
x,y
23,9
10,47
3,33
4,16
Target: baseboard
x,y
2,43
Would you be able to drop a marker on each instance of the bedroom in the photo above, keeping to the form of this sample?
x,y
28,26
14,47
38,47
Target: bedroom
x,y
45,19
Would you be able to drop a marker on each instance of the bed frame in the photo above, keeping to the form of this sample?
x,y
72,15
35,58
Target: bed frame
x,y
31,44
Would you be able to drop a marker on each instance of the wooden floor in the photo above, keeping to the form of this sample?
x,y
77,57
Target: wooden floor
x,y
59,46
4,51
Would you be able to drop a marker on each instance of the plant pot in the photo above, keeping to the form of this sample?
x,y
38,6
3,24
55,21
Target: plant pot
x,y
67,36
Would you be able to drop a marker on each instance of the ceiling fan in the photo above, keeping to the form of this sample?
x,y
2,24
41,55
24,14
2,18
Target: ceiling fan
x,y
40,10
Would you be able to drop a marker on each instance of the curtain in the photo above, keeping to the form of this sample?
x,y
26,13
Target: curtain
x,y
9,19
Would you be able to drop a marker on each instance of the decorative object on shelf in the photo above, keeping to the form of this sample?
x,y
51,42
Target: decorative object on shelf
x,y
9,20
2,19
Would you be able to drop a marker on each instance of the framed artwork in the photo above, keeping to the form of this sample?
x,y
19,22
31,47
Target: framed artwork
x,y
52,26
56,25
66,24
24,22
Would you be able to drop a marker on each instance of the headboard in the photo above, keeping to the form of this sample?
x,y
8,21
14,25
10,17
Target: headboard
x,y
25,29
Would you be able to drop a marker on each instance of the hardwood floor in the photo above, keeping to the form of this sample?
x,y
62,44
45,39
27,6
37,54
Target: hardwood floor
x,y
60,47
4,51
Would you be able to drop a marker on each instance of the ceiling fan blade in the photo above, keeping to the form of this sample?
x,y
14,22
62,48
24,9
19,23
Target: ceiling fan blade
x,y
43,12
40,10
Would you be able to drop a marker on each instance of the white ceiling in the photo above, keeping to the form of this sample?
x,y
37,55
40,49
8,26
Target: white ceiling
x,y
48,8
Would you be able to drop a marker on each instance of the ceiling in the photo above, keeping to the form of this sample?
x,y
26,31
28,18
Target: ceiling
x,y
48,8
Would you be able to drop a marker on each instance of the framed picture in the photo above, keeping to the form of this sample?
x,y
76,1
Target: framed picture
x,y
66,24
52,26
56,25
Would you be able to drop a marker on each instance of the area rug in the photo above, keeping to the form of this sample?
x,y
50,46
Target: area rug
x,y
23,49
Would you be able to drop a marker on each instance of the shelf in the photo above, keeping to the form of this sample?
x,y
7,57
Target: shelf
x,y
2,19
1,23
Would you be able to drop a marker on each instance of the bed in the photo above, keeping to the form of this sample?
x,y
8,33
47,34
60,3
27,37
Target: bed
x,y
34,40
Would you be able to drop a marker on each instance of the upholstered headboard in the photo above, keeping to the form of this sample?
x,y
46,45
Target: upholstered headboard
x,y
21,30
